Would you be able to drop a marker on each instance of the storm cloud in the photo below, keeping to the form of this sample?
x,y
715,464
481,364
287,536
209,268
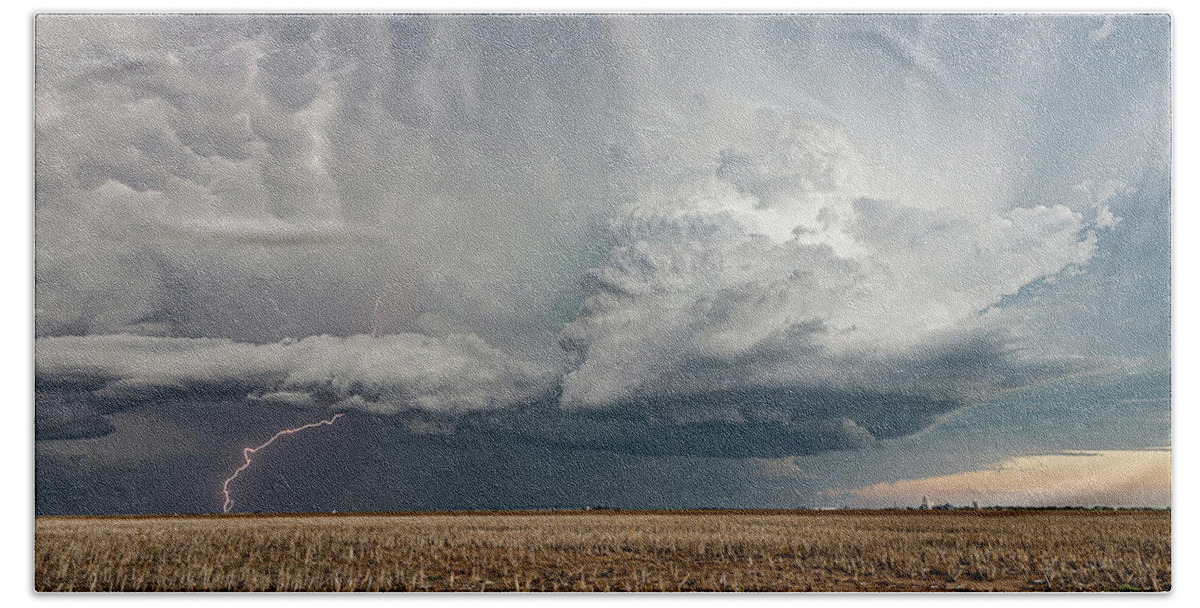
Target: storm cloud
x,y
686,236
811,286
390,374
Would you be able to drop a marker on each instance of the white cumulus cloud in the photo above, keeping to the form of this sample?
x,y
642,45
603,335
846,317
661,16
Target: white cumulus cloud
x,y
780,290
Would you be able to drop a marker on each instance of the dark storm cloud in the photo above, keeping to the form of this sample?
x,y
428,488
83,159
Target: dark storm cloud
x,y
795,234
60,414
364,462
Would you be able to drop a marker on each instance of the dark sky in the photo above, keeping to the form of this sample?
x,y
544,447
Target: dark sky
x,y
641,261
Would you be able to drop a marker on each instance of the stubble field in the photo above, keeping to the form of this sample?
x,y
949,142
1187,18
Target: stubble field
x,y
611,551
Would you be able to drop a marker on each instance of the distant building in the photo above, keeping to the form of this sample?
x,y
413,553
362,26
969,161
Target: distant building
x,y
925,504
975,504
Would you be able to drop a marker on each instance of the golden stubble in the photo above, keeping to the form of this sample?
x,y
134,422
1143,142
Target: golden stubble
x,y
610,551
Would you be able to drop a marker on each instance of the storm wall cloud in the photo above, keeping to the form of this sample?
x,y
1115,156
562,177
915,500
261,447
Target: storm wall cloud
x,y
691,236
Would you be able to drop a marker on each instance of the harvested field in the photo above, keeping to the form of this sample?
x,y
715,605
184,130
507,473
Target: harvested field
x,y
611,551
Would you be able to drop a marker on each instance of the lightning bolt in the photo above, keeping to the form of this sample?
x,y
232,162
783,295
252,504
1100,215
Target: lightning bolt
x,y
247,452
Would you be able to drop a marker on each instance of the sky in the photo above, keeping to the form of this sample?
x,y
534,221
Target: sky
x,y
637,261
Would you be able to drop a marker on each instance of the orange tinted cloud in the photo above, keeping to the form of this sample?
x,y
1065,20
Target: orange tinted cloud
x,y
1119,478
